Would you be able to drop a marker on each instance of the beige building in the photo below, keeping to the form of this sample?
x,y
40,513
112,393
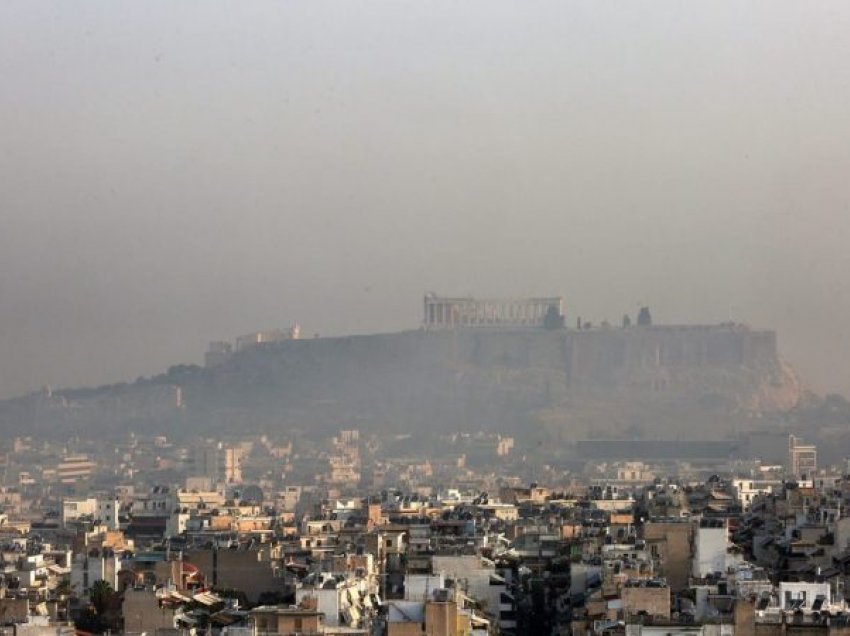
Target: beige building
x,y
641,597
634,473
285,621
75,468
304,620
253,571
670,541
144,613
438,616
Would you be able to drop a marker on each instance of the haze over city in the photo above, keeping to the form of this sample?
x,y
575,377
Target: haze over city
x,y
173,173
408,318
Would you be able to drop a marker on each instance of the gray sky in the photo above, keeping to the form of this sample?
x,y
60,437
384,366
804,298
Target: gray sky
x,y
173,173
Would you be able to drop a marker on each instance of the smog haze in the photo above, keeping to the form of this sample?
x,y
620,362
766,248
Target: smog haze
x,y
175,173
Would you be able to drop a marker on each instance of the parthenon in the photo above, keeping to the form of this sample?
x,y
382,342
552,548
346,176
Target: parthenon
x,y
442,313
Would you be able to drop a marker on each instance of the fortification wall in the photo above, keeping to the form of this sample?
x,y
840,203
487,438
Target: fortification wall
x,y
660,356
605,355
635,357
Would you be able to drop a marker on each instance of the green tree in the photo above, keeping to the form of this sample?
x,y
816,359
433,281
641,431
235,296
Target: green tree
x,y
101,596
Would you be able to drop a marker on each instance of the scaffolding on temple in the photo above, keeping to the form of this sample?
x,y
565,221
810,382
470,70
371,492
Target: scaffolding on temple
x,y
445,313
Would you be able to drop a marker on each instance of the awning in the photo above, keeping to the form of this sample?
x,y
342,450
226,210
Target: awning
x,y
207,598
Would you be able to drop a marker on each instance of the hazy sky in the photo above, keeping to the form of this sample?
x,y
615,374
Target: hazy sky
x,y
178,172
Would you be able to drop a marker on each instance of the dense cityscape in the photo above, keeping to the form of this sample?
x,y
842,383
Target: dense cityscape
x,y
426,532
424,318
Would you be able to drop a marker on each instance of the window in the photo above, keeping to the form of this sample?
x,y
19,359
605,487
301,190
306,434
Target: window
x,y
793,601
299,624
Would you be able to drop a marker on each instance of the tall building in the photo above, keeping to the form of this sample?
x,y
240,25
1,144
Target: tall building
x,y
802,458
345,462
233,464
219,463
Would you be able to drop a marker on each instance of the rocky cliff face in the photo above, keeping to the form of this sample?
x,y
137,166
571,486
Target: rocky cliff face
x,y
504,379
633,381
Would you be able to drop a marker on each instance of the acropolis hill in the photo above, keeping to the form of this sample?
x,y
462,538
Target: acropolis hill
x,y
486,374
